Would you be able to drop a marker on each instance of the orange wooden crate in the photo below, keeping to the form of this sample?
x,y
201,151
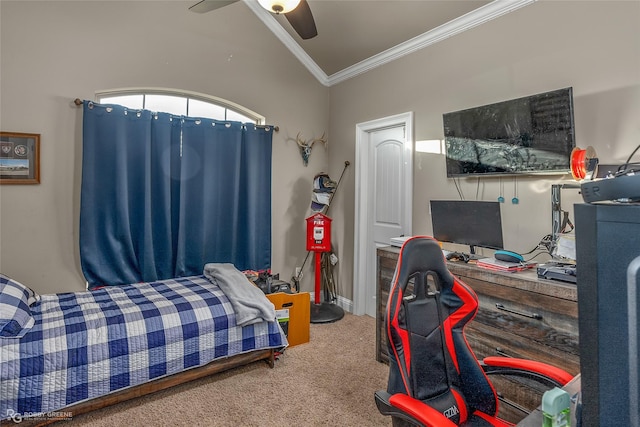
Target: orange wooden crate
x,y
299,306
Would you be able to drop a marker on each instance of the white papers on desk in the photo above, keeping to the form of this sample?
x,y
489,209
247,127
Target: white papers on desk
x,y
399,241
566,246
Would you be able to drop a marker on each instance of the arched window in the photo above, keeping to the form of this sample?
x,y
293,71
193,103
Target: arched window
x,y
180,103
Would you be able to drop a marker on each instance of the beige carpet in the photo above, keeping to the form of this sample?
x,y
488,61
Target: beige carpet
x,y
329,381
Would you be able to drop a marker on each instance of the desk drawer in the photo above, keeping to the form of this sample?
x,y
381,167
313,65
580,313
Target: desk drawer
x,y
518,323
486,340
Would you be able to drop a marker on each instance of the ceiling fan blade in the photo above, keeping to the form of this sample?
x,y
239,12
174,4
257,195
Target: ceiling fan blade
x,y
301,19
205,6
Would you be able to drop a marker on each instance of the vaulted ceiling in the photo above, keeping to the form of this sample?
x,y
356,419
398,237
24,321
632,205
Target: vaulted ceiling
x,y
357,35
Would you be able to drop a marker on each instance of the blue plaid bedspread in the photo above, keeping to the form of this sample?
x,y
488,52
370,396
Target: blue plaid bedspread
x,y
87,344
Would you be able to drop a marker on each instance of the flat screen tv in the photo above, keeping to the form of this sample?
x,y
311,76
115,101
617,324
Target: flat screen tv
x,y
466,222
529,135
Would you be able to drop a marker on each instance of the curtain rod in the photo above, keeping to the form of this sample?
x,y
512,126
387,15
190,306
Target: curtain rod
x,y
79,102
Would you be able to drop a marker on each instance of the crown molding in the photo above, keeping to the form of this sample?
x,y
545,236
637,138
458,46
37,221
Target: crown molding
x,y
465,22
275,27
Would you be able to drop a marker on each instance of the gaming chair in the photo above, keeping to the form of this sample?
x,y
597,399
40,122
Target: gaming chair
x,y
434,376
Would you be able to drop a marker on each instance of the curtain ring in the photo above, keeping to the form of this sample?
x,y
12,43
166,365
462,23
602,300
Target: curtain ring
x,y
90,105
109,109
198,121
228,125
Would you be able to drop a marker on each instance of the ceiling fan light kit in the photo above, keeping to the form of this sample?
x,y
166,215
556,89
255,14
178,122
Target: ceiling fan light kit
x,y
297,12
279,6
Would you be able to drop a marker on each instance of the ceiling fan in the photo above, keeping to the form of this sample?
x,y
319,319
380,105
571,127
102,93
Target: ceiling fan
x,y
297,12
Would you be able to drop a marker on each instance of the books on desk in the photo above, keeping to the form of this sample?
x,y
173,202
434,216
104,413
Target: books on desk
x,y
497,265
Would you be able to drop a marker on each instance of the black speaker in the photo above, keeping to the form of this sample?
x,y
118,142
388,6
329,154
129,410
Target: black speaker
x,y
607,242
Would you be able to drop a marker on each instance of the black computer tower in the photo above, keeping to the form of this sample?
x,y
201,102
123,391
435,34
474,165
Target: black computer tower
x,y
607,243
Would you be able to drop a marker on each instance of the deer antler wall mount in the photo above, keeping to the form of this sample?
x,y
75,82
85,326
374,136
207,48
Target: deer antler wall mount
x,y
306,145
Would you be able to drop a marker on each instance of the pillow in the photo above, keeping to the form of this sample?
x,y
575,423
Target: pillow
x,y
15,314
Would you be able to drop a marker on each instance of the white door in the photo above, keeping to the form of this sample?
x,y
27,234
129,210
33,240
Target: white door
x,y
383,198
387,149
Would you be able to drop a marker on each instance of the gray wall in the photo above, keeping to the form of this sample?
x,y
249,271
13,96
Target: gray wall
x,y
593,46
55,51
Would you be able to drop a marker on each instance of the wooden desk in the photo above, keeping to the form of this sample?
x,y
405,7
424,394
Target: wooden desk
x,y
520,315
534,419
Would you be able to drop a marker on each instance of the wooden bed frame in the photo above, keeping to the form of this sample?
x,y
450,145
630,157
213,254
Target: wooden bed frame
x,y
163,383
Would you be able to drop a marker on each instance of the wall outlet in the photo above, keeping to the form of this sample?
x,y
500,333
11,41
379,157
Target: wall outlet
x,y
298,271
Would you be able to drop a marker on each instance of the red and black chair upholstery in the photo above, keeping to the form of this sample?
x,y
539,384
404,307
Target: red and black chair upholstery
x,y
434,376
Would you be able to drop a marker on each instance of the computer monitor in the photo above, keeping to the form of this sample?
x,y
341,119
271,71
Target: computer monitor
x,y
472,223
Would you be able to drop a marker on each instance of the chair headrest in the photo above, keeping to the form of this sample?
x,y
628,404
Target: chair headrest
x,y
421,254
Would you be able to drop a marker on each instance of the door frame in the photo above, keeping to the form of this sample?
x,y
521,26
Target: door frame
x,y
362,219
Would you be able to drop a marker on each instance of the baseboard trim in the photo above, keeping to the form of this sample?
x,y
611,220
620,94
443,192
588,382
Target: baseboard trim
x,y
346,304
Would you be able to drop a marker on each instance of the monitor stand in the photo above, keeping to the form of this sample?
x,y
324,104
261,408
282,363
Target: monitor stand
x,y
473,255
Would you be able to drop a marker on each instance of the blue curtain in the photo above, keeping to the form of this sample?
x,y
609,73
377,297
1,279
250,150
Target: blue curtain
x,y
163,195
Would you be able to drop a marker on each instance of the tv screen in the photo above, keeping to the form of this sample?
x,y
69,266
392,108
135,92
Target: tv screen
x,y
473,223
529,135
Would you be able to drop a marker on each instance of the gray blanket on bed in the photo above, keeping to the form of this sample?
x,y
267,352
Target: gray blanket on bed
x,y
248,301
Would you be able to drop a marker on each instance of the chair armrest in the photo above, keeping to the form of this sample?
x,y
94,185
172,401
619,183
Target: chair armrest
x,y
410,409
420,411
540,371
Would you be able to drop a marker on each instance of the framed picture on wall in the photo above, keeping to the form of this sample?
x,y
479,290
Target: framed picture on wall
x,y
19,158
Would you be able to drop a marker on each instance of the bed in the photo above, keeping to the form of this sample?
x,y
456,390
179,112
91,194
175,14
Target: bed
x,y
69,353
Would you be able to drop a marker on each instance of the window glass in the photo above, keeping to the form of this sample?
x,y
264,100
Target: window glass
x,y
135,102
199,108
179,103
234,116
166,104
